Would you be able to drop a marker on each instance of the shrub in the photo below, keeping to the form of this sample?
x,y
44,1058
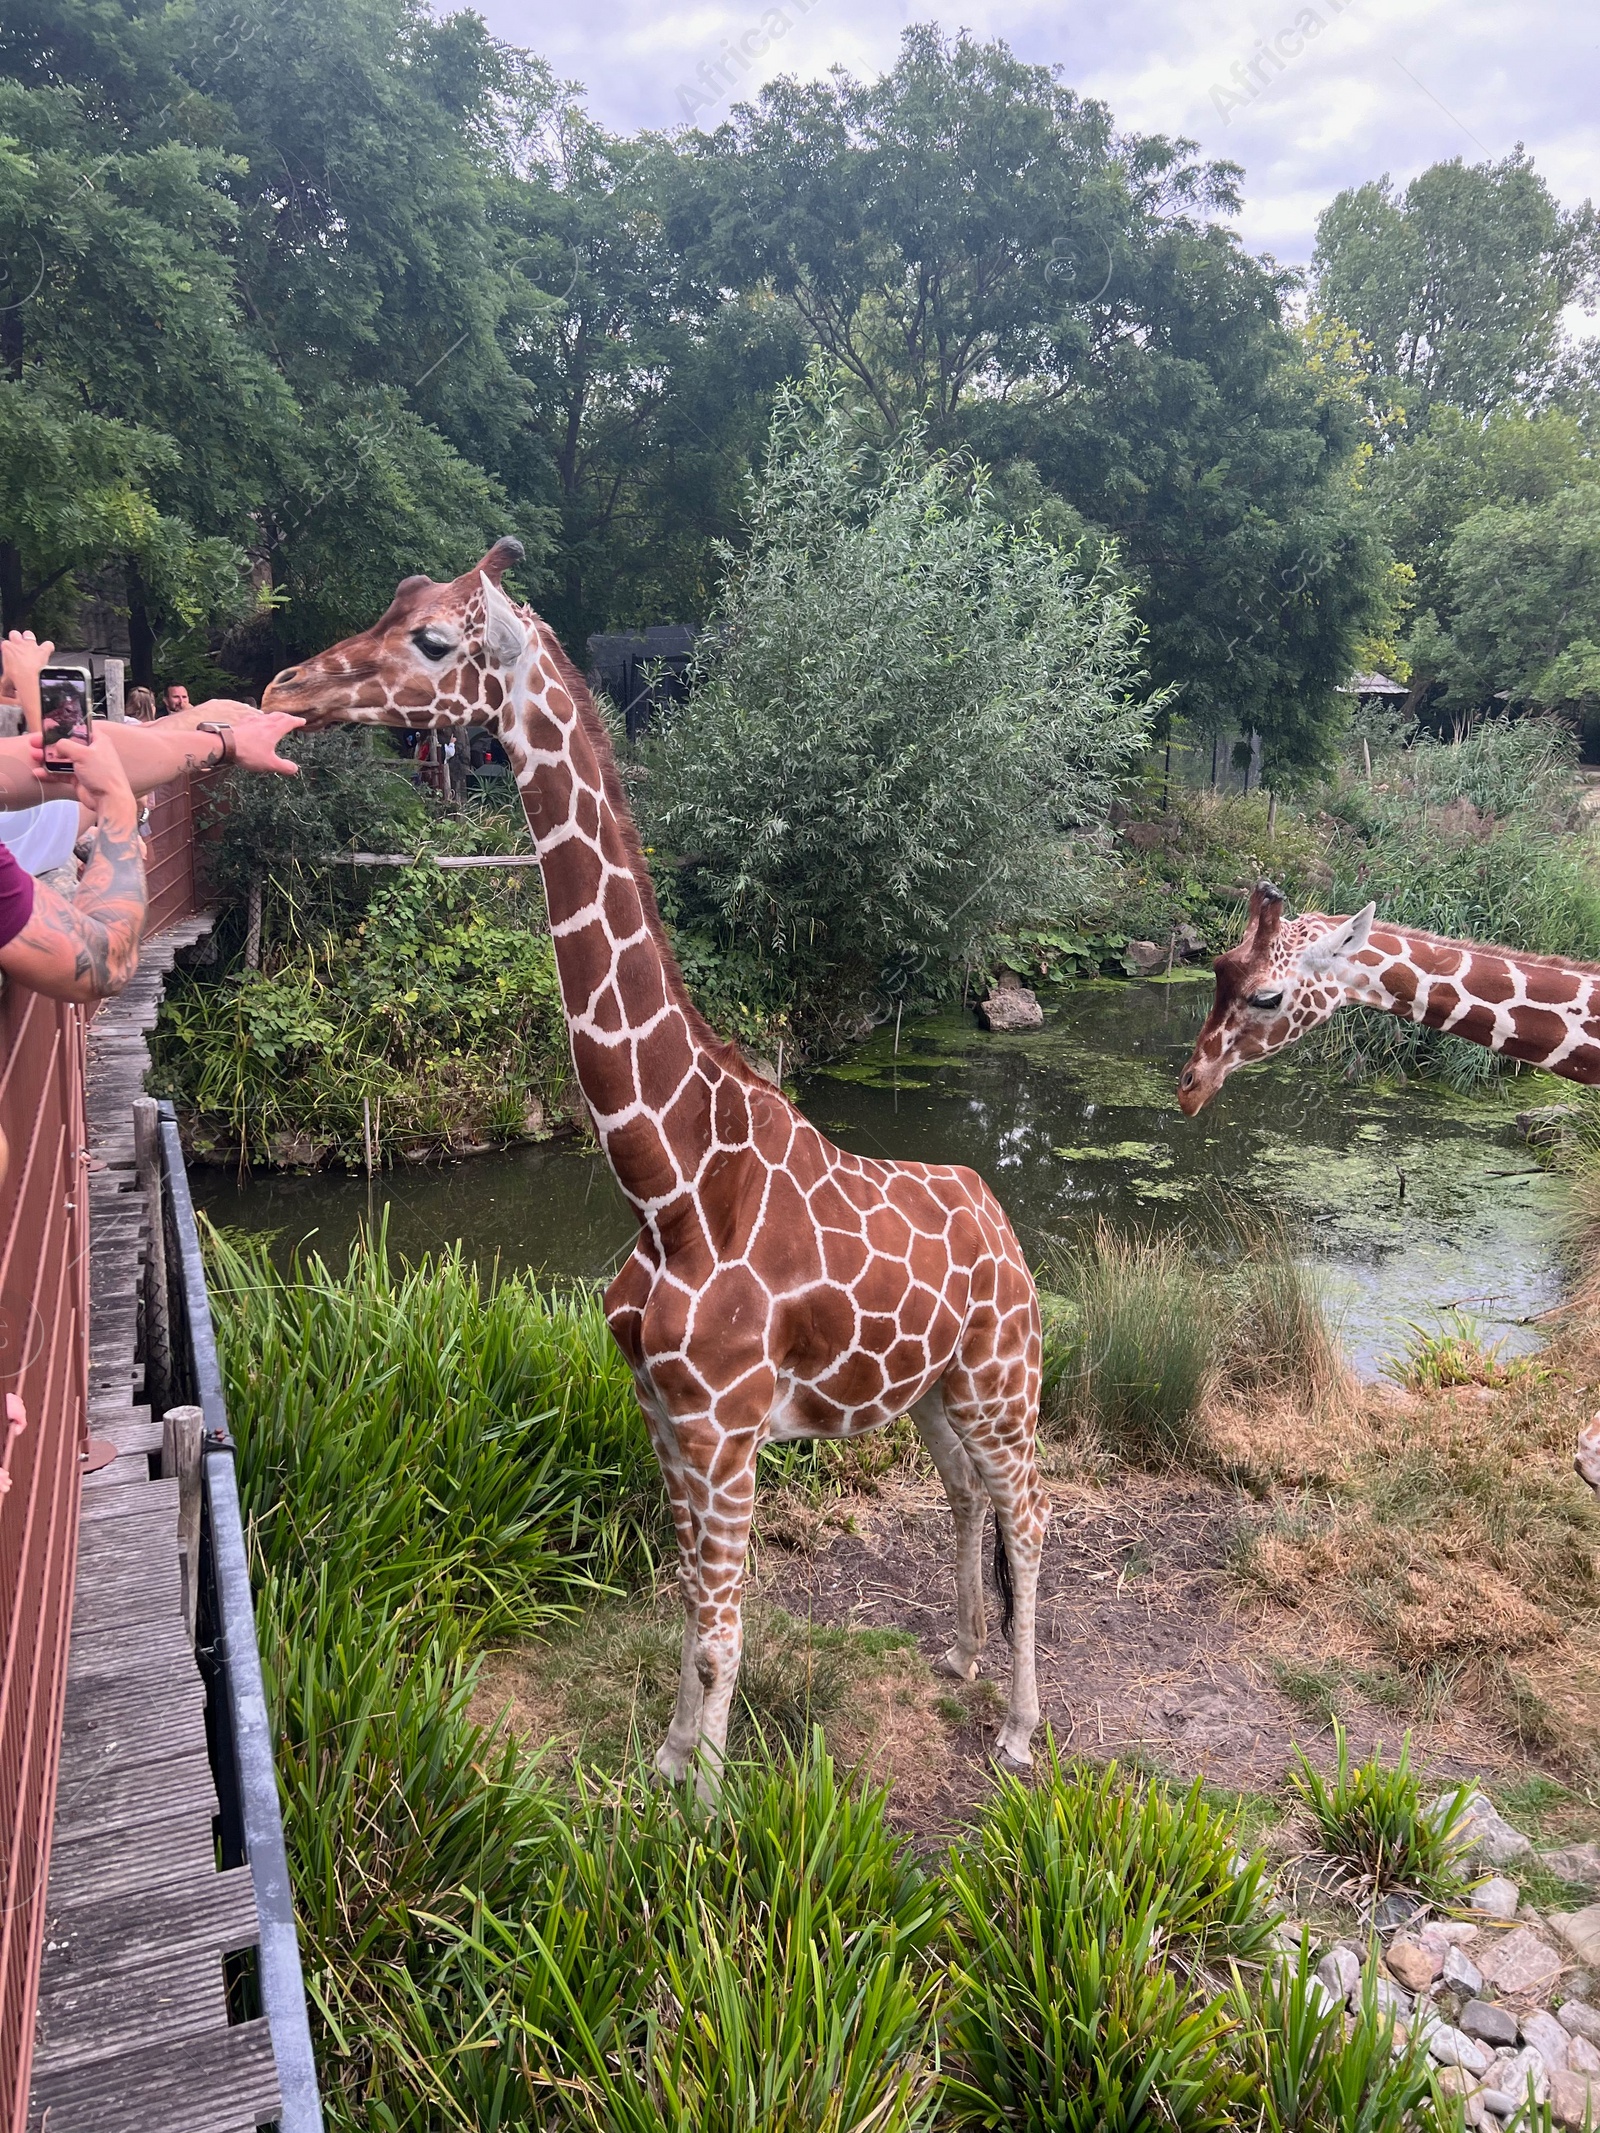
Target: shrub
x,y
1311,2072
1146,1345
907,718
1372,1816
1087,1915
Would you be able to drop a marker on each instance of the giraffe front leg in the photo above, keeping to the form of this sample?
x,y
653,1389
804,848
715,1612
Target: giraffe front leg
x,y
719,1642
1024,1542
967,1506
676,1754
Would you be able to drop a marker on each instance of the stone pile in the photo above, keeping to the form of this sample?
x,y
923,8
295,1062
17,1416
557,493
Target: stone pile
x,y
1507,2001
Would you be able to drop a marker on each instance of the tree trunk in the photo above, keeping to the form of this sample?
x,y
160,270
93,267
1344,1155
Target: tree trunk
x,y
10,586
141,633
252,930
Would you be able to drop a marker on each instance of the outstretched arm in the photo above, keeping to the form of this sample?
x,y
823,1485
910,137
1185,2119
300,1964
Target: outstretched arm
x,y
89,947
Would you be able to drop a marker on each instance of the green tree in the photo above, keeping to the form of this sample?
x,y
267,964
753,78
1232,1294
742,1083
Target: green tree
x,y
1524,584
976,247
908,725
1457,285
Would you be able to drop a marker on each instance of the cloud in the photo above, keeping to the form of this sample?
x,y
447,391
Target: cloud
x,y
1382,85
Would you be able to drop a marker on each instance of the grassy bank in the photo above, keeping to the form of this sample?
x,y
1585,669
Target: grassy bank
x,y
430,1467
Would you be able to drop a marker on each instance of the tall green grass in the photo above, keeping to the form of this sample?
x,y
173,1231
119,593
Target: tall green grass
x,y
1141,1331
428,1462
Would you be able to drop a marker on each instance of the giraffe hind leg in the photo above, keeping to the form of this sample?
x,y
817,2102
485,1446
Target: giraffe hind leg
x,y
967,1505
998,1437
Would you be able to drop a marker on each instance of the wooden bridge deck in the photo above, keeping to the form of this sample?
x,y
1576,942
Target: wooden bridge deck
x,y
138,2031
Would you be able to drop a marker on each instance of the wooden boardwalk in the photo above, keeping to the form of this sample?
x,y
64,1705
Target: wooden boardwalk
x,y
138,2030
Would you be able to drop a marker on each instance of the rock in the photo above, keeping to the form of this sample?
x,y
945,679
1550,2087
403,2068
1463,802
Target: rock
x,y
1452,2048
1582,2058
1586,1458
1548,2039
1388,1999
1147,957
1396,1909
534,1124
1496,1897
1340,1971
1546,1124
1455,2081
1522,1965
1581,1932
1497,2102
1514,2076
1011,1006
1189,940
1487,1837
1442,1933
1578,1862
1413,1964
1489,2024
1580,2020
1575,2100
1461,1973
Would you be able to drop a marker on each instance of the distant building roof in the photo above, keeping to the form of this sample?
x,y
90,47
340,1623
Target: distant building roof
x,y
1373,685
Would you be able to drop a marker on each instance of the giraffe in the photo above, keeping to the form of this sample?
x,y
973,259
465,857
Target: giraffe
x,y
1288,976
779,1287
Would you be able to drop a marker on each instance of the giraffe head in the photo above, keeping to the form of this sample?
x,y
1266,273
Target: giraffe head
x,y
1284,978
440,655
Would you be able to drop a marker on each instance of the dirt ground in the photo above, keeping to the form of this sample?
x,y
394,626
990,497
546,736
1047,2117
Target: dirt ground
x,y
1147,1648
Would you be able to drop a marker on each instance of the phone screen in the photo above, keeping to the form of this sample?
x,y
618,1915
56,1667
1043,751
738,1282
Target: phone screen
x,y
64,709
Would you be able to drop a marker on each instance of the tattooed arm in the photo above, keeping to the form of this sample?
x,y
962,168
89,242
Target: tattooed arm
x,y
89,947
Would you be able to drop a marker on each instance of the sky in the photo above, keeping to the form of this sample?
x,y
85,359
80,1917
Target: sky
x,y
1377,85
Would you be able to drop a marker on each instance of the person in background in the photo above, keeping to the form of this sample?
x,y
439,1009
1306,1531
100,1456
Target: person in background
x,y
140,706
177,699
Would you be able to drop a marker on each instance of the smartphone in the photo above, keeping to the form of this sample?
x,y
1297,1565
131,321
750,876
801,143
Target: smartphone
x,y
64,703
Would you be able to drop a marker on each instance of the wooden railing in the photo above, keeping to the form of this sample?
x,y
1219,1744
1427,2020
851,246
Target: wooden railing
x,y
44,1258
44,1363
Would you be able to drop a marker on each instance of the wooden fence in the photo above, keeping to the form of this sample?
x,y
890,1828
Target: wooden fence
x,y
44,1363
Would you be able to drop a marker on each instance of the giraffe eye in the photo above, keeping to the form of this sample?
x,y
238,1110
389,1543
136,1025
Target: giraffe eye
x,y
432,643
1266,1001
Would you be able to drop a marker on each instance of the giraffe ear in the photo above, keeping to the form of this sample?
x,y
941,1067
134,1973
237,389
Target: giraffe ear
x,y
1348,938
505,634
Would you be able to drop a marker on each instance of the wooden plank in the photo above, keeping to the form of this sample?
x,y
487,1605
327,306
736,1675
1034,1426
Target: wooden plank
x,y
96,2018
118,1647
105,1705
201,1915
131,1467
88,1865
215,2083
120,1796
137,1502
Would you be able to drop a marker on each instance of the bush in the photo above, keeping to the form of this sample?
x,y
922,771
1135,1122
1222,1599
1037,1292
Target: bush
x,y
907,726
1372,1816
1088,1915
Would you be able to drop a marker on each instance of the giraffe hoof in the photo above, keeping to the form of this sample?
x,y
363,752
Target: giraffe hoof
x,y
957,1668
1017,1763
673,1763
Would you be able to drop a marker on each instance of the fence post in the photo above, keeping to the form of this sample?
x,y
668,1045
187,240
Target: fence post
x,y
181,1431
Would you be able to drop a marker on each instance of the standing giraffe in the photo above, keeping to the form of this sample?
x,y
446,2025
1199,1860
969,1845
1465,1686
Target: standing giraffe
x,y
1287,976
779,1288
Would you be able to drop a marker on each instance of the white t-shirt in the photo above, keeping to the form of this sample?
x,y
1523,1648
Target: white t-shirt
x,y
42,837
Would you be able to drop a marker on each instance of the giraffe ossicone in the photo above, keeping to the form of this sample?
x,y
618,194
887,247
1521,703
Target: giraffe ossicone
x,y
779,1287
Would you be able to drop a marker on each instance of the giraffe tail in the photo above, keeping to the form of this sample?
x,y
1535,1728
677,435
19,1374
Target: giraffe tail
x,y
1002,1581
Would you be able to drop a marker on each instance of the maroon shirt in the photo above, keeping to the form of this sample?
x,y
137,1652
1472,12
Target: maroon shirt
x,y
16,897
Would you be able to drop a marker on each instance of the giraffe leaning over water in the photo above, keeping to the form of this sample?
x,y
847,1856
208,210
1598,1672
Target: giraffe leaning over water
x,y
1287,976
780,1287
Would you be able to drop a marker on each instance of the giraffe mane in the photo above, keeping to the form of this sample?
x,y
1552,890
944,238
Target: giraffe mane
x,y
727,1054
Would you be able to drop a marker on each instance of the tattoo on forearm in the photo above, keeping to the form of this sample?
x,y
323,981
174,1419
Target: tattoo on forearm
x,y
110,908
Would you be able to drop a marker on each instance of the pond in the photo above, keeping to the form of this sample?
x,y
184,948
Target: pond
x,y
1410,1201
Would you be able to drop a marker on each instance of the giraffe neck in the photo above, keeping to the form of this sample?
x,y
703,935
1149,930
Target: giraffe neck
x,y
647,1064
1535,1008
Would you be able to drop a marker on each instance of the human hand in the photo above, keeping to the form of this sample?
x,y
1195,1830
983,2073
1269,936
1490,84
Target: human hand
x,y
97,770
256,735
24,656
